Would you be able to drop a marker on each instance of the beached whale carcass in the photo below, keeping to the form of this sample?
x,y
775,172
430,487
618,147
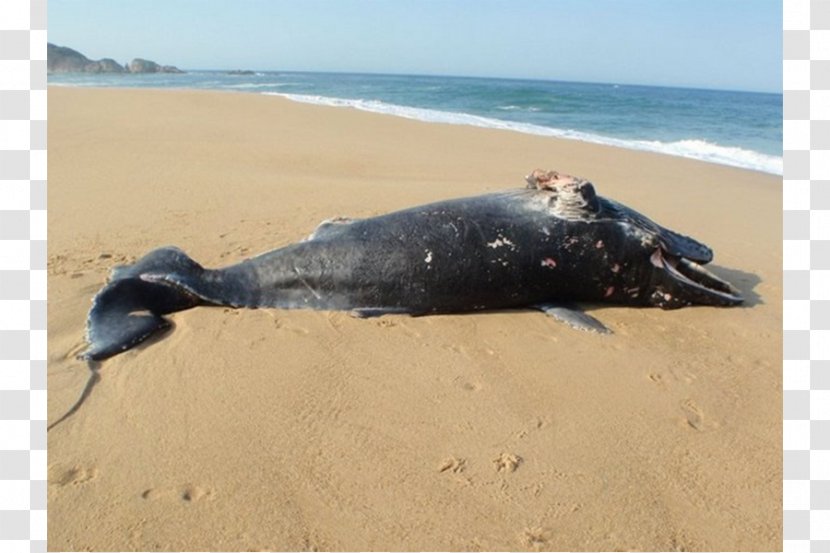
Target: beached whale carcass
x,y
552,242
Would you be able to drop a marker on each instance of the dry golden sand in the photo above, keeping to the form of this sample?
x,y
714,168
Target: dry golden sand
x,y
267,429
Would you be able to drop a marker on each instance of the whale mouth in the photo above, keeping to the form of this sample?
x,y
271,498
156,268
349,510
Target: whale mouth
x,y
693,284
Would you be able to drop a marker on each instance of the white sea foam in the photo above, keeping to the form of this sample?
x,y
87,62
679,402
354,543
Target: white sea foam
x,y
258,85
511,107
690,148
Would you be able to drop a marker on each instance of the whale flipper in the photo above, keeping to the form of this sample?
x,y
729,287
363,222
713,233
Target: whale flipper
x,y
573,317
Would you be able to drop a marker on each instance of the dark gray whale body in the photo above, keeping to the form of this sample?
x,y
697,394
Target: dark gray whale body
x,y
552,242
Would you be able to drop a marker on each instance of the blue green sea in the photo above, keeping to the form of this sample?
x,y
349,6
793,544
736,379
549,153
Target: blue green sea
x,y
741,129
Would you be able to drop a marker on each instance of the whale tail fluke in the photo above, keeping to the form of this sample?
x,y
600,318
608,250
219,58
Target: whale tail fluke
x,y
128,309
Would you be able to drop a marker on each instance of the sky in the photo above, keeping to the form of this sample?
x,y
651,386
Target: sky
x,y
720,44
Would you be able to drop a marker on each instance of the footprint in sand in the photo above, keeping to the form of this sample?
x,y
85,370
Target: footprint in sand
x,y
74,476
680,542
535,538
195,493
507,462
657,378
453,464
188,493
693,414
470,386
395,322
538,423
457,349
385,323
153,494
298,330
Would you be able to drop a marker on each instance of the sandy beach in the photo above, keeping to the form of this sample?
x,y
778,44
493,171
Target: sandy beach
x,y
247,430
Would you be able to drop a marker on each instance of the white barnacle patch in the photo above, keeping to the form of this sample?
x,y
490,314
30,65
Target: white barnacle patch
x,y
501,241
599,244
428,258
647,239
500,261
615,268
633,292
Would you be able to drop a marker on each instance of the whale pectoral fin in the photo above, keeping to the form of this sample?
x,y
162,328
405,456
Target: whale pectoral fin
x,y
573,317
370,312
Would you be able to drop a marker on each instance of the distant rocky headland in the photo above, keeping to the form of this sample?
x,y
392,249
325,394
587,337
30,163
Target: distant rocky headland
x,y
61,59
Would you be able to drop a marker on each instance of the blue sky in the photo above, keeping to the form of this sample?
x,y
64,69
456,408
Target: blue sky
x,y
724,44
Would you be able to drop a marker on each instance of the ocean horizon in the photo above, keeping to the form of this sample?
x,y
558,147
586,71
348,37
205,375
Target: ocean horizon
x,y
736,128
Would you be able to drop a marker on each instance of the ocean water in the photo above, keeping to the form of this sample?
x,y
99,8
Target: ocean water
x,y
742,129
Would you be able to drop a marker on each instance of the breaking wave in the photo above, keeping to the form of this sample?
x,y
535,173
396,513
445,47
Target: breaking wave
x,y
691,148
